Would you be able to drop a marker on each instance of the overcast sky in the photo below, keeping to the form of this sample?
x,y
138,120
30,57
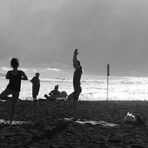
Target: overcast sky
x,y
42,32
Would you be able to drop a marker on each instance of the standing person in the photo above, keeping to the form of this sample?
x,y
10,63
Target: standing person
x,y
35,86
15,76
76,83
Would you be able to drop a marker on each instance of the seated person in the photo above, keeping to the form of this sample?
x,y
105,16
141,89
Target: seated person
x,y
53,94
56,94
55,91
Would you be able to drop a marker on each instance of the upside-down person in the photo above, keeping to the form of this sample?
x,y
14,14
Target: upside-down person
x,y
76,84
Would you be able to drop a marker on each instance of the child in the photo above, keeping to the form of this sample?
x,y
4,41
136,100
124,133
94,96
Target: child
x,y
15,76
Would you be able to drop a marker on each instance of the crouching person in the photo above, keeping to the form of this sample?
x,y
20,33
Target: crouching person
x,y
15,76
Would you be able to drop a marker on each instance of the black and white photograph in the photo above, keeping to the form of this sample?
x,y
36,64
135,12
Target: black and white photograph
x,y
73,73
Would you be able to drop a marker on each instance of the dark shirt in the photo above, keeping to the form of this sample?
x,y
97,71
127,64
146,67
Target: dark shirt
x,y
14,81
35,81
54,92
77,77
36,84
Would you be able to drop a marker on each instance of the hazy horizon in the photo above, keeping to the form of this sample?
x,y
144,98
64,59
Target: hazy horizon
x,y
45,32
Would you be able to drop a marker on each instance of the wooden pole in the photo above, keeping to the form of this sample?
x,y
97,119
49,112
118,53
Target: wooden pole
x,y
108,74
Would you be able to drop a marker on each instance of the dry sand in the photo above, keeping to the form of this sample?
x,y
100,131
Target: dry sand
x,y
45,130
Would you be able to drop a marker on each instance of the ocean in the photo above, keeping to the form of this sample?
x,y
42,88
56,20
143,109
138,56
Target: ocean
x,y
94,87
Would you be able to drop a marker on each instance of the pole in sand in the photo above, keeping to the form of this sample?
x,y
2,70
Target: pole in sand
x,y
108,73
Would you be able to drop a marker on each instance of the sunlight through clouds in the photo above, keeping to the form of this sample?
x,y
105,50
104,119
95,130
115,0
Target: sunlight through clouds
x,y
106,31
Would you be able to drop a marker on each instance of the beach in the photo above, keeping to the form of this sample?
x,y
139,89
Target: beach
x,y
45,125
94,52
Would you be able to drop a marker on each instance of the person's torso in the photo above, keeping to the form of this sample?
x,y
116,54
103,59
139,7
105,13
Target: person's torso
x,y
55,92
36,81
77,77
14,81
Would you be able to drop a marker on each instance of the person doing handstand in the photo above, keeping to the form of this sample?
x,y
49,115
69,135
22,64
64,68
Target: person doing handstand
x,y
76,83
15,76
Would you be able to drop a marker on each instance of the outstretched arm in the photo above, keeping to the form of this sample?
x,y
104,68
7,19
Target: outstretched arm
x,y
24,77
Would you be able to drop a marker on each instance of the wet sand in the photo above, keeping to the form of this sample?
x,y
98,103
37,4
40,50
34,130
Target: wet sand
x,y
45,126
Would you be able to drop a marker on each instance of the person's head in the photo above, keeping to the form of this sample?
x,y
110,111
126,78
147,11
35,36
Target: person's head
x,y
37,74
56,87
14,63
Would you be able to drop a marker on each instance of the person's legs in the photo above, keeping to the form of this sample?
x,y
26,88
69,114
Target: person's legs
x,y
15,95
75,103
34,97
4,94
75,109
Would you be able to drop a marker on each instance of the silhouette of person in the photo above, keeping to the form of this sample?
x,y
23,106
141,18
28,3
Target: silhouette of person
x,y
15,76
76,83
54,93
35,86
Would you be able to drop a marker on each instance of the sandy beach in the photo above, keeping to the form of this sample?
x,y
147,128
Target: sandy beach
x,y
45,126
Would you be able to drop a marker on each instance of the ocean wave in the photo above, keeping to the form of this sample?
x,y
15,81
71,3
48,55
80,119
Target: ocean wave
x,y
41,69
4,68
53,69
33,69
55,80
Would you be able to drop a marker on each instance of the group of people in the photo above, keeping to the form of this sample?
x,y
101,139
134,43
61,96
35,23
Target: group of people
x,y
53,94
15,76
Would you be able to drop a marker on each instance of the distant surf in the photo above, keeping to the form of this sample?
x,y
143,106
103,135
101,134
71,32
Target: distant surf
x,y
93,87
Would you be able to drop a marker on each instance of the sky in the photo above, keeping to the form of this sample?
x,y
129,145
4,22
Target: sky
x,y
44,32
